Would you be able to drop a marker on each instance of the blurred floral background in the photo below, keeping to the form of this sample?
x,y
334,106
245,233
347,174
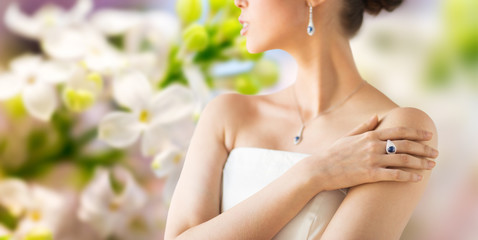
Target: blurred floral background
x,y
99,98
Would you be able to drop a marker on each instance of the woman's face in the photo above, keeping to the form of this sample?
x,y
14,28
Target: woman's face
x,y
273,24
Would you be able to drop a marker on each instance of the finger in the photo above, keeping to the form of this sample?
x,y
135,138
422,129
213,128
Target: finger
x,y
403,133
397,175
415,148
406,161
364,127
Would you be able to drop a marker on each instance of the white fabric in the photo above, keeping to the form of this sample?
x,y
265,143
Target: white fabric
x,y
249,169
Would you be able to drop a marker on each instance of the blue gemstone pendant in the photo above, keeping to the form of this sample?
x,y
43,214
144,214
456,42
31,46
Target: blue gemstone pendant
x,y
310,27
298,138
310,30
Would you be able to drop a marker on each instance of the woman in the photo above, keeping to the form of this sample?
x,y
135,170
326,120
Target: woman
x,y
306,162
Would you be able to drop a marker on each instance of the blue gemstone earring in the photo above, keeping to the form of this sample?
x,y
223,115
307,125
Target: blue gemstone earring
x,y
310,27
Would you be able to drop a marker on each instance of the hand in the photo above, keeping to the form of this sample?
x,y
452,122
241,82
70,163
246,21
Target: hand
x,y
360,157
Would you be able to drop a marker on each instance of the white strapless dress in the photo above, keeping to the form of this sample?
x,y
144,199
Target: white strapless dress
x,y
249,169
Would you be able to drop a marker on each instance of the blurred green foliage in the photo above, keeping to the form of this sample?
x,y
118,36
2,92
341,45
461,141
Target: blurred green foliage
x,y
7,218
458,51
216,39
206,40
195,37
462,28
39,234
53,142
189,10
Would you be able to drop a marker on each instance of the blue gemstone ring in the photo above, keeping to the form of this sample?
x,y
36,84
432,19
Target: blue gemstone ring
x,y
390,148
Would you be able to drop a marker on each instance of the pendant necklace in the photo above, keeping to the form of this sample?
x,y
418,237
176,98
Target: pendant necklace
x,y
298,138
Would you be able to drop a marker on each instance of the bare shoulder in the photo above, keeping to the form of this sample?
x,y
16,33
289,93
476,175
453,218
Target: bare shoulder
x,y
410,117
228,101
219,103
222,108
197,198
381,210
393,114
225,113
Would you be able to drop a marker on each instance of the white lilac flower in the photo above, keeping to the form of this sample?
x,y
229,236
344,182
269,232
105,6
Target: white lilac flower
x,y
107,211
14,196
158,30
168,164
83,89
167,161
144,225
84,44
65,35
35,207
153,65
114,22
34,79
197,81
151,114
67,43
47,18
44,213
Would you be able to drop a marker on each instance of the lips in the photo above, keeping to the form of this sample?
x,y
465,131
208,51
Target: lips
x,y
245,26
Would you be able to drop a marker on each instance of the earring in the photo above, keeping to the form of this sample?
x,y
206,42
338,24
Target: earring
x,y
310,27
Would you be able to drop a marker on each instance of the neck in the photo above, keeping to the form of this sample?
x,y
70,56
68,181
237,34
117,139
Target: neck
x,y
326,75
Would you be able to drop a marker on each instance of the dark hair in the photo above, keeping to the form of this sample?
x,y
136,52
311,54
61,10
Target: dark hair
x,y
353,11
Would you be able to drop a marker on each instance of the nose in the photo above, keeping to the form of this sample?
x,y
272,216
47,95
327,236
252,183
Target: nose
x,y
240,3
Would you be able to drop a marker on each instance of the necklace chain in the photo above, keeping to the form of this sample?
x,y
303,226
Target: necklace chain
x,y
298,138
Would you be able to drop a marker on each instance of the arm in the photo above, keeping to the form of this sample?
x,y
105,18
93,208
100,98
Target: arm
x,y
381,210
195,208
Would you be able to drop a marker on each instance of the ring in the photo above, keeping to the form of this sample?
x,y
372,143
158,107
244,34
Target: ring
x,y
390,148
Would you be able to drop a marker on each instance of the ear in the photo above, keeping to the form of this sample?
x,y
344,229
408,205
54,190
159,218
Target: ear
x,y
314,3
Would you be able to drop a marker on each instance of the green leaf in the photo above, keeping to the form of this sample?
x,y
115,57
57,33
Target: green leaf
x,y
117,41
3,145
7,219
115,183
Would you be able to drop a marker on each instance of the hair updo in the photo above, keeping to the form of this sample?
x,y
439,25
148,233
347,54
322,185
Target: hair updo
x,y
353,11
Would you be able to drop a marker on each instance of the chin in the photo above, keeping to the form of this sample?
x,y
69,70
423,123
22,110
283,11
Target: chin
x,y
254,47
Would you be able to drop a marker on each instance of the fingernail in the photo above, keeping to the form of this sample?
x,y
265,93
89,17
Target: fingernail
x,y
431,164
428,134
435,153
418,177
